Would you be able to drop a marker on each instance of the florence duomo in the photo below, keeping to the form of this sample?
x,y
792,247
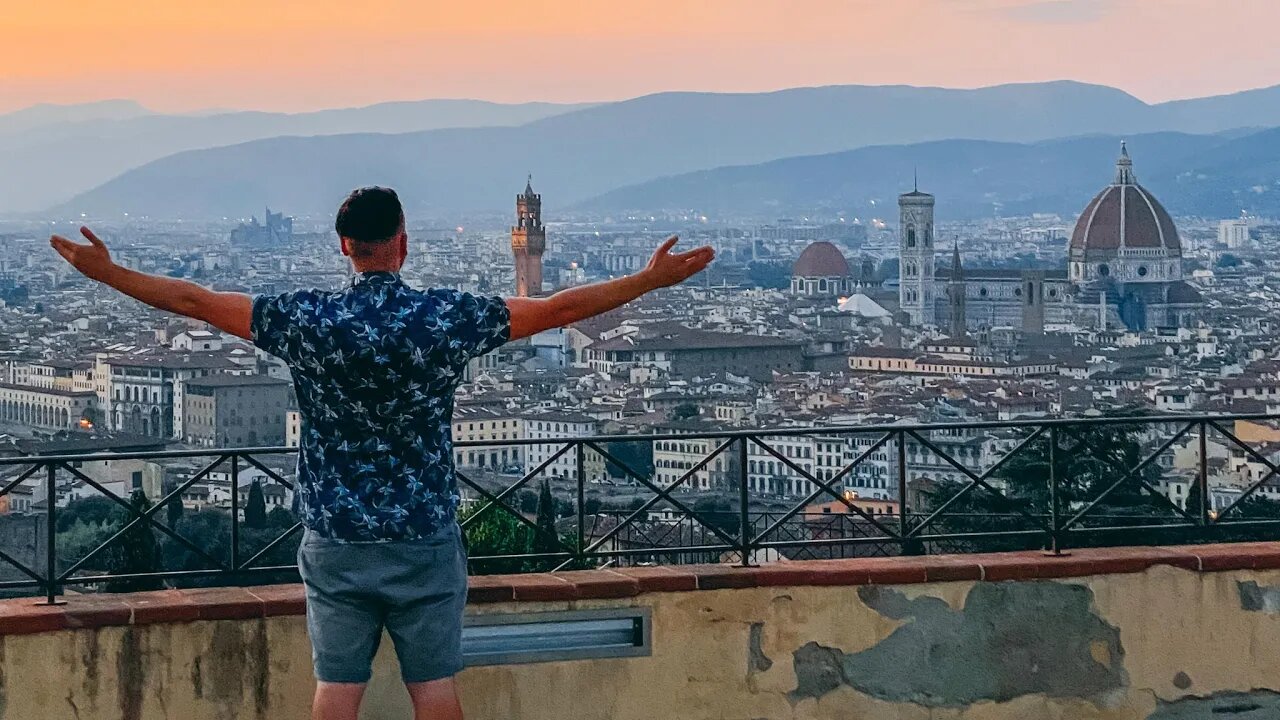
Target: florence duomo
x,y
1123,270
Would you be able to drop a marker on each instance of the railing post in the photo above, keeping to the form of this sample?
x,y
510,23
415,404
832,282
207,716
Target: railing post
x,y
51,535
582,511
235,513
1202,476
1055,504
744,520
910,546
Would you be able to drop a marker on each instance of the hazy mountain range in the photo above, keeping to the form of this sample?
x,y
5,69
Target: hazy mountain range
x,y
49,153
1213,175
586,155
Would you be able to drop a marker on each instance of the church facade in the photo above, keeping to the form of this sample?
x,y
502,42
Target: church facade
x,y
1124,269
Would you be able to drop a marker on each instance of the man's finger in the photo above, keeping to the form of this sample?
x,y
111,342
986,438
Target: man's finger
x,y
62,246
668,244
704,251
93,239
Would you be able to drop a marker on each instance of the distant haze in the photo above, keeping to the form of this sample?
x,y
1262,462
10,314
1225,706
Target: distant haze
x,y
50,152
578,155
290,55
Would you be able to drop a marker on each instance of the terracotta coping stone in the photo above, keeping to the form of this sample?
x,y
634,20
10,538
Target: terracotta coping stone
x,y
25,616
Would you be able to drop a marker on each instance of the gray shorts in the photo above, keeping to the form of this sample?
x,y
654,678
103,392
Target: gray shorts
x,y
416,589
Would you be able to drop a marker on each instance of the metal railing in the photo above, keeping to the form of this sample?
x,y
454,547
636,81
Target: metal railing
x,y
1038,503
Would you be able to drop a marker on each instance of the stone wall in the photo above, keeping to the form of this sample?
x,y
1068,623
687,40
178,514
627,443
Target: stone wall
x,y
1133,633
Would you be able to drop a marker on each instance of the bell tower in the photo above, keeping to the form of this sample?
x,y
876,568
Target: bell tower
x,y
528,242
917,295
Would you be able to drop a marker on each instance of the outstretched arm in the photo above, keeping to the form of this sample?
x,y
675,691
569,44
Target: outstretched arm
x,y
530,316
227,311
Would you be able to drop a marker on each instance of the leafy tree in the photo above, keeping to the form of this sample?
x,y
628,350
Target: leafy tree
x,y
528,501
82,538
1090,460
209,530
280,518
592,506
93,510
495,533
685,411
136,551
718,513
1256,507
255,508
1227,260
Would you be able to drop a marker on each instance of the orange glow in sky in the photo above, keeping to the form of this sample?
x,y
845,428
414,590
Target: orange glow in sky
x,y
304,54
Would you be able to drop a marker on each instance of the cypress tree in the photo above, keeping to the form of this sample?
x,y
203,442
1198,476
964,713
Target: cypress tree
x,y
136,551
255,509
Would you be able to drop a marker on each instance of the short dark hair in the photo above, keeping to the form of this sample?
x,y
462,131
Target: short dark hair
x,y
370,215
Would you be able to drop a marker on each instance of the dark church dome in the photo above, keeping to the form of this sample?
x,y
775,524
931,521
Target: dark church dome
x,y
1124,215
822,260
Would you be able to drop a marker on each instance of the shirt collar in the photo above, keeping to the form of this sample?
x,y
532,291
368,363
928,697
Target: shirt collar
x,y
374,277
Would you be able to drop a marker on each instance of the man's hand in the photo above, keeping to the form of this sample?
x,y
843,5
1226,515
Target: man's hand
x,y
92,260
665,269
228,311
530,316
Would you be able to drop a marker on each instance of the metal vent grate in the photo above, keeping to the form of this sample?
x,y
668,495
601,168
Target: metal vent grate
x,y
550,636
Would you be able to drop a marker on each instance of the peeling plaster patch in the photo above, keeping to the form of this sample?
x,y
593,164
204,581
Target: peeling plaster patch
x,y
130,675
197,679
757,661
1255,705
90,662
1256,598
819,670
225,682
1009,640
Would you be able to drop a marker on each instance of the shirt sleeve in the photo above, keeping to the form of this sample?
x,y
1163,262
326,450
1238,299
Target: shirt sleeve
x,y
273,323
483,323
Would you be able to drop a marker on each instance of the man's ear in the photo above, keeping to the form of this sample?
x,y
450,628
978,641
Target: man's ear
x,y
346,246
404,245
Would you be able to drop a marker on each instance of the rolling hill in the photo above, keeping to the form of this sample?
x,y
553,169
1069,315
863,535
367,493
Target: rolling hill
x,y
1209,175
577,155
49,153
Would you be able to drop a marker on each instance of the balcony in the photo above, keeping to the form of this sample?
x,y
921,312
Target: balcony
x,y
745,609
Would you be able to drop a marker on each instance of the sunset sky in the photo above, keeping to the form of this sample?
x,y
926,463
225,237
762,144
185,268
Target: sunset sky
x,y
290,55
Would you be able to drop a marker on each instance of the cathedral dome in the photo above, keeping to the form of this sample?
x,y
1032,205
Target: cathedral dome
x,y
1125,234
1124,216
821,260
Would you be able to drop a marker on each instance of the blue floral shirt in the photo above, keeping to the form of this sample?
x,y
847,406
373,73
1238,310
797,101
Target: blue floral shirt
x,y
375,366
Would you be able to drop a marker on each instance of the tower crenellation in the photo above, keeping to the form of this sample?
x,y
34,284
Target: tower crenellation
x,y
528,241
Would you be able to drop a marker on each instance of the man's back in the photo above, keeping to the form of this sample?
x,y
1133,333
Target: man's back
x,y
376,366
